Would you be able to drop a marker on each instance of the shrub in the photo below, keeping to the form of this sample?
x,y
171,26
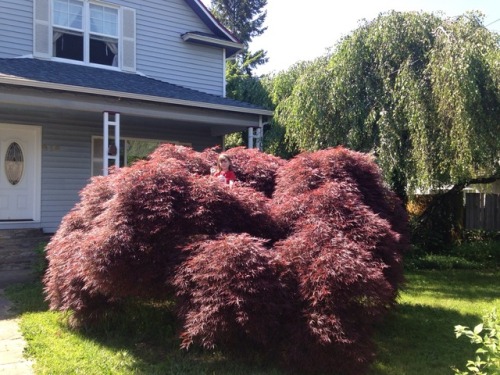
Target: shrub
x,y
229,293
472,254
481,235
487,336
256,169
299,259
131,243
343,255
417,204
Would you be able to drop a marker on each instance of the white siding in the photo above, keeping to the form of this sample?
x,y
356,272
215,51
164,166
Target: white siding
x,y
16,28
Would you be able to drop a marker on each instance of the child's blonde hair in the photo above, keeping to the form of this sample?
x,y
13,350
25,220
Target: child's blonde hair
x,y
224,157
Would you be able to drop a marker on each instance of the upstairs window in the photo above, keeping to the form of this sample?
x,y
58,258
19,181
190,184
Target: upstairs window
x,y
87,31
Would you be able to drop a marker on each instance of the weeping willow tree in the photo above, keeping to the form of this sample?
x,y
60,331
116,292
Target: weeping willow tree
x,y
420,91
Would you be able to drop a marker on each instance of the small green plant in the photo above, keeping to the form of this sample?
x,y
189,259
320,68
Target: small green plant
x,y
487,335
481,235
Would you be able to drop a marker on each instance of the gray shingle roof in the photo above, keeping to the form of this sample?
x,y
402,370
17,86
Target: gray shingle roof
x,y
106,79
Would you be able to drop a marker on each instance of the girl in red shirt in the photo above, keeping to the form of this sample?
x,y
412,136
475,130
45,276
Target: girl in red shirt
x,y
224,171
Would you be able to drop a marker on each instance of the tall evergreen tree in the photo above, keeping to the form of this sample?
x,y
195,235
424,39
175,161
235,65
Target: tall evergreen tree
x,y
245,19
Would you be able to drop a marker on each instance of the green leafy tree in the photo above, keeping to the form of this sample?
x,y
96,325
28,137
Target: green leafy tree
x,y
420,91
280,88
248,89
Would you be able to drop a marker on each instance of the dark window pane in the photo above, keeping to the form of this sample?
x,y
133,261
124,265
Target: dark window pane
x,y
100,53
69,46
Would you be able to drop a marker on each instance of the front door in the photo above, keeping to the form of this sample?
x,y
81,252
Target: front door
x,y
19,173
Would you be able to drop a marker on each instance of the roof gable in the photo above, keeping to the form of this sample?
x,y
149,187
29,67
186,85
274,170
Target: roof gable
x,y
232,44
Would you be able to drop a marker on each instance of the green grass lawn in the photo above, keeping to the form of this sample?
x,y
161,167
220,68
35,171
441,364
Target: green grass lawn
x,y
416,339
419,336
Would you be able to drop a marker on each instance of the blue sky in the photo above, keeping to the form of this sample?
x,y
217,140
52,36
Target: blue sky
x,y
303,30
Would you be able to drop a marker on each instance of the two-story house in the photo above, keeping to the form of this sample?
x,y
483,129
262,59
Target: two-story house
x,y
86,84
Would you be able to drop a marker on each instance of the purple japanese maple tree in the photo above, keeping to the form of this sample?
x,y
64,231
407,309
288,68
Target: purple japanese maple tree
x,y
299,259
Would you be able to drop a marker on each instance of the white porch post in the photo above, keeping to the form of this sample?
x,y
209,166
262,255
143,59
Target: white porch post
x,y
108,151
257,134
250,137
258,138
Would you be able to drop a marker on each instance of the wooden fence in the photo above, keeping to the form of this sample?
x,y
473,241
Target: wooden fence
x,y
482,211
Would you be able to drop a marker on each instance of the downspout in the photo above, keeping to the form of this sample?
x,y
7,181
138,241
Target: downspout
x,y
224,73
224,90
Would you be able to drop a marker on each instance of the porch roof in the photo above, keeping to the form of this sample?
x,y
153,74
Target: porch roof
x,y
77,78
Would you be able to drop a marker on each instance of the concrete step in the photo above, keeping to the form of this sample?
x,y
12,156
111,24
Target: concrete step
x,y
6,234
20,253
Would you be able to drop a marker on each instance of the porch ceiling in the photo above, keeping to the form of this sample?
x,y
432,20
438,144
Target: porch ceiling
x,y
22,103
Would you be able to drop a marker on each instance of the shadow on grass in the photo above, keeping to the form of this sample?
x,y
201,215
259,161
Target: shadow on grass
x,y
27,297
150,331
417,339
455,284
147,331
413,340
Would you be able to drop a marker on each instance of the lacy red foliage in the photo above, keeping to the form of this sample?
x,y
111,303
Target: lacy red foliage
x,y
255,169
228,287
299,259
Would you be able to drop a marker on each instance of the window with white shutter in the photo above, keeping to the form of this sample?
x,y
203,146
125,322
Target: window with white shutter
x,y
41,28
93,33
128,39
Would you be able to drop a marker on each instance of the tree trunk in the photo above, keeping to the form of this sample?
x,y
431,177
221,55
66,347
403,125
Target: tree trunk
x,y
442,222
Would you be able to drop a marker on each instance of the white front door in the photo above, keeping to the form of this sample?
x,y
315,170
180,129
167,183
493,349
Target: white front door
x,y
20,156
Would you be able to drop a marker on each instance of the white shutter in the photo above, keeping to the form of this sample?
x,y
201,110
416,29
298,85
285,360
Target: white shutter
x,y
41,28
128,40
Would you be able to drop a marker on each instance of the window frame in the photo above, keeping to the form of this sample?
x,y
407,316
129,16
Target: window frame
x,y
43,35
87,34
96,150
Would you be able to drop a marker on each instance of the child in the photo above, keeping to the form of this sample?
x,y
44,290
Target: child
x,y
224,171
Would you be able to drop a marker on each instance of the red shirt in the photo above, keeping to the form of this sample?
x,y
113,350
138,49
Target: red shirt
x,y
227,176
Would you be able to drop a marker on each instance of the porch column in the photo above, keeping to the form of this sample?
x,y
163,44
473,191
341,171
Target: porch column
x,y
250,138
257,135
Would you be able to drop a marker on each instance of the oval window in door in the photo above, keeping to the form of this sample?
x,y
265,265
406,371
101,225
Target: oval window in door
x,y
14,163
